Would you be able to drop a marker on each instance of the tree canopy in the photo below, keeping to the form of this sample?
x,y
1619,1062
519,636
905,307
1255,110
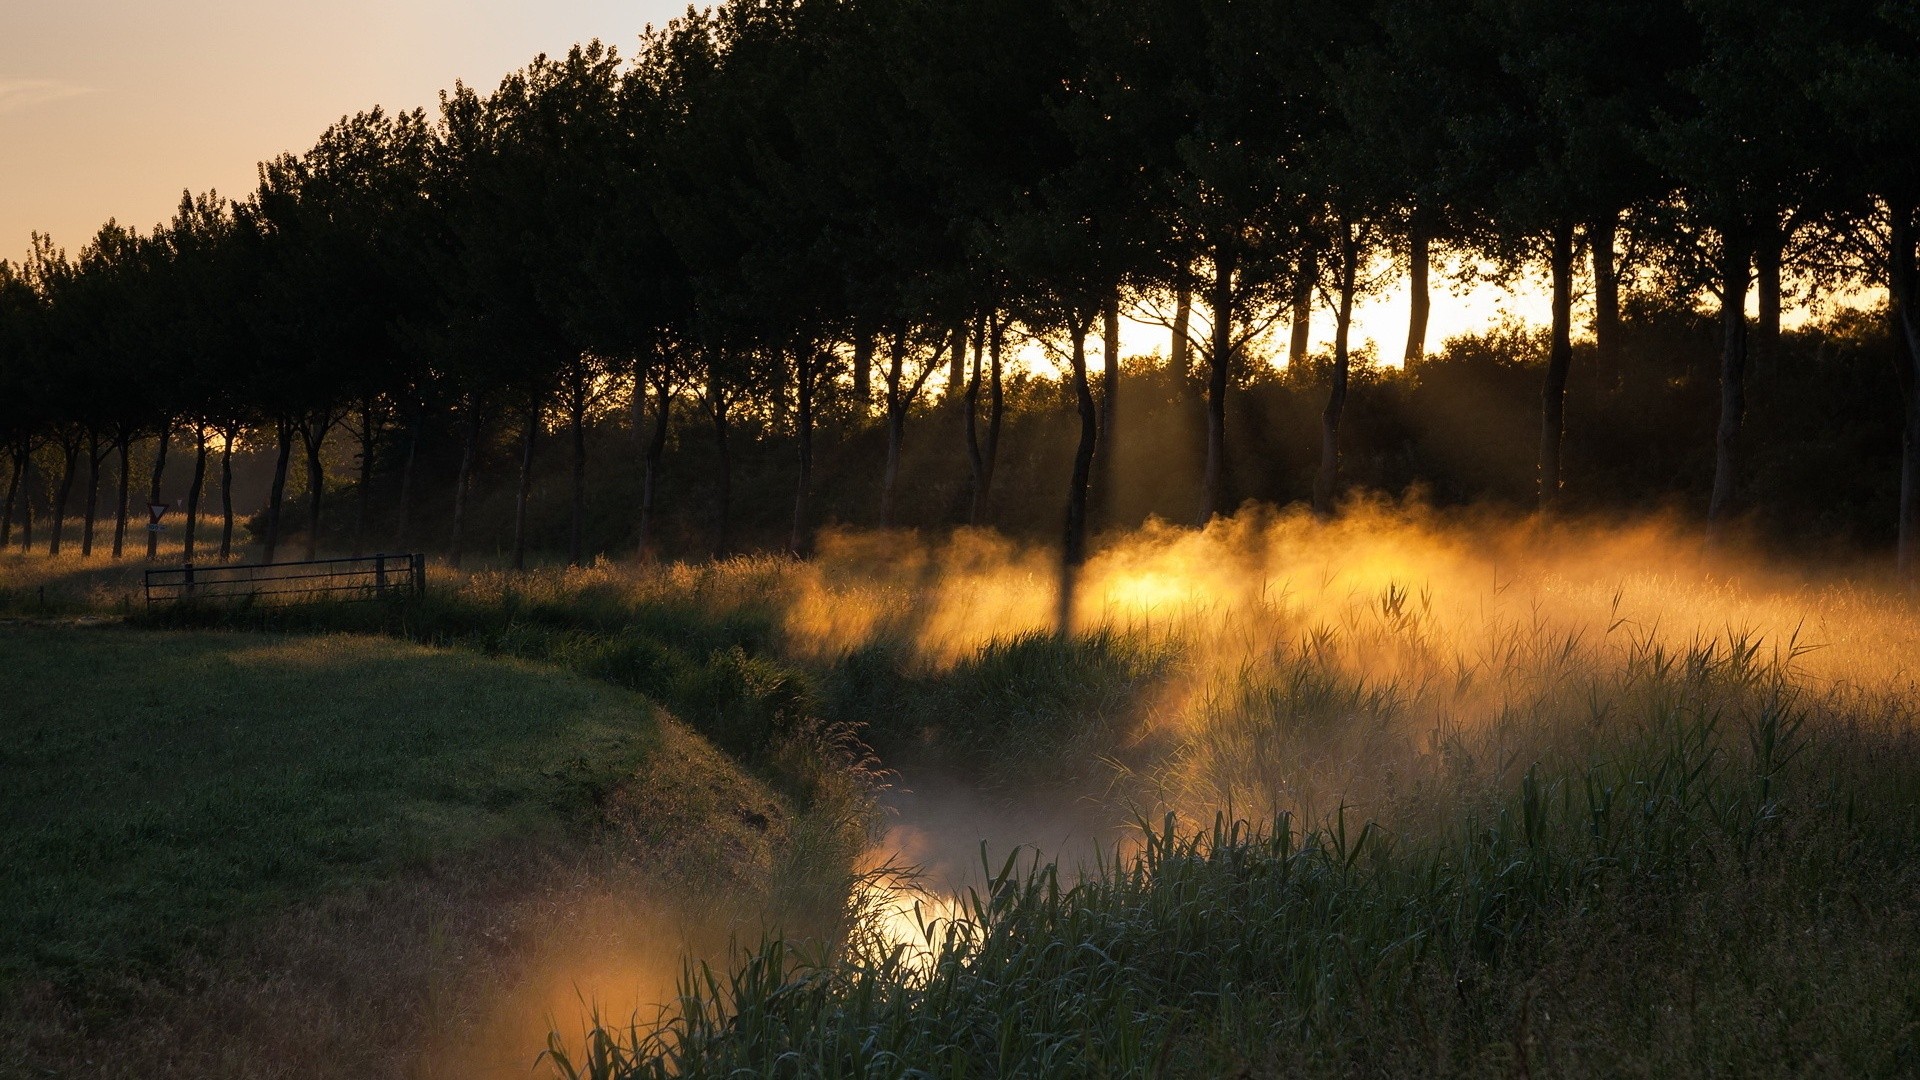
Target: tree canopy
x,y
733,229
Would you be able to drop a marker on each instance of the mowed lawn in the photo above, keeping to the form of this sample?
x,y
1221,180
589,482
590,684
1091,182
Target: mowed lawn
x,y
157,786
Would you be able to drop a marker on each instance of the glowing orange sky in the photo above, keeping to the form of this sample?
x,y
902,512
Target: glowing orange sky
x,y
109,108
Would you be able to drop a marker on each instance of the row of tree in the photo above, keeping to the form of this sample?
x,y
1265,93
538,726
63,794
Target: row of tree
x,y
784,213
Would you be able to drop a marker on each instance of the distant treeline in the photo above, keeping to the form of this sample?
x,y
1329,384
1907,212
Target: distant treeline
x,y
790,234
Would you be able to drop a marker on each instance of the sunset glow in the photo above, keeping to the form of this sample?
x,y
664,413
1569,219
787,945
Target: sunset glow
x,y
110,108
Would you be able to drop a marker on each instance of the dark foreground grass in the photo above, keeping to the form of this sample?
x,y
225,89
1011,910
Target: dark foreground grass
x,y
156,787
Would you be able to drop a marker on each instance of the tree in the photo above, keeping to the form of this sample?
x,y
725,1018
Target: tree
x,y
989,342
20,311
1559,148
1867,82
1403,84
58,382
1736,148
200,348
1356,201
1227,90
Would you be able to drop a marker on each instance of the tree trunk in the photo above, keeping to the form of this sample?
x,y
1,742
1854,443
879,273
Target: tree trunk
x,y
1106,467
896,425
1074,549
94,458
890,475
1903,281
1602,236
26,502
1180,360
1326,486
1304,283
525,492
1766,337
194,488
656,453
70,466
862,371
463,482
16,466
996,403
1219,359
277,493
577,423
314,436
1909,552
1734,261
1419,257
957,365
636,417
153,491
125,500
976,458
804,366
987,454
403,512
363,505
228,436
1553,398
718,408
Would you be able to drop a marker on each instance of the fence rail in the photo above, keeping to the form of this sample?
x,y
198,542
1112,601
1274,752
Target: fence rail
x,y
369,577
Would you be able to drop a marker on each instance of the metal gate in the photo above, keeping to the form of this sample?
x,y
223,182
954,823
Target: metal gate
x,y
369,577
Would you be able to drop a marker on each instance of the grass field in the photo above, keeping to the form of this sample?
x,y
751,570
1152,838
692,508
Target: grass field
x,y
1410,796
158,785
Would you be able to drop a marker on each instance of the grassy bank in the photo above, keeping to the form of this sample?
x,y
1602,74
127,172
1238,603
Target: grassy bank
x,y
325,832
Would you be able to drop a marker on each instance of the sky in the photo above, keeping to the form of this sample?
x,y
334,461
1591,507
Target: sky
x,y
111,108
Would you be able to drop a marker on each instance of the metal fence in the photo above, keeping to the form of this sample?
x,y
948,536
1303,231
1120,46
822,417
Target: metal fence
x,y
369,577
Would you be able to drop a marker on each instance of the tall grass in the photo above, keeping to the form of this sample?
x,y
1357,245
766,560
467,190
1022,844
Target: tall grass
x,y
1580,814
1479,916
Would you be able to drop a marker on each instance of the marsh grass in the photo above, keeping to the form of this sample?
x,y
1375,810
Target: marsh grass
x,y
1069,704
1715,879
1580,813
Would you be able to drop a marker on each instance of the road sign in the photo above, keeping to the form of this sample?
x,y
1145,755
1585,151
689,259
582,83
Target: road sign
x,y
156,511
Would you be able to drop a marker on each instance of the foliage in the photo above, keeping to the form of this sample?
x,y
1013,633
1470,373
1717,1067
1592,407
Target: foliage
x,y
735,215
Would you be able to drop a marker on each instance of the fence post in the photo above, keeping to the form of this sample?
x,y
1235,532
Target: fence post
x,y
380,574
188,588
419,574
